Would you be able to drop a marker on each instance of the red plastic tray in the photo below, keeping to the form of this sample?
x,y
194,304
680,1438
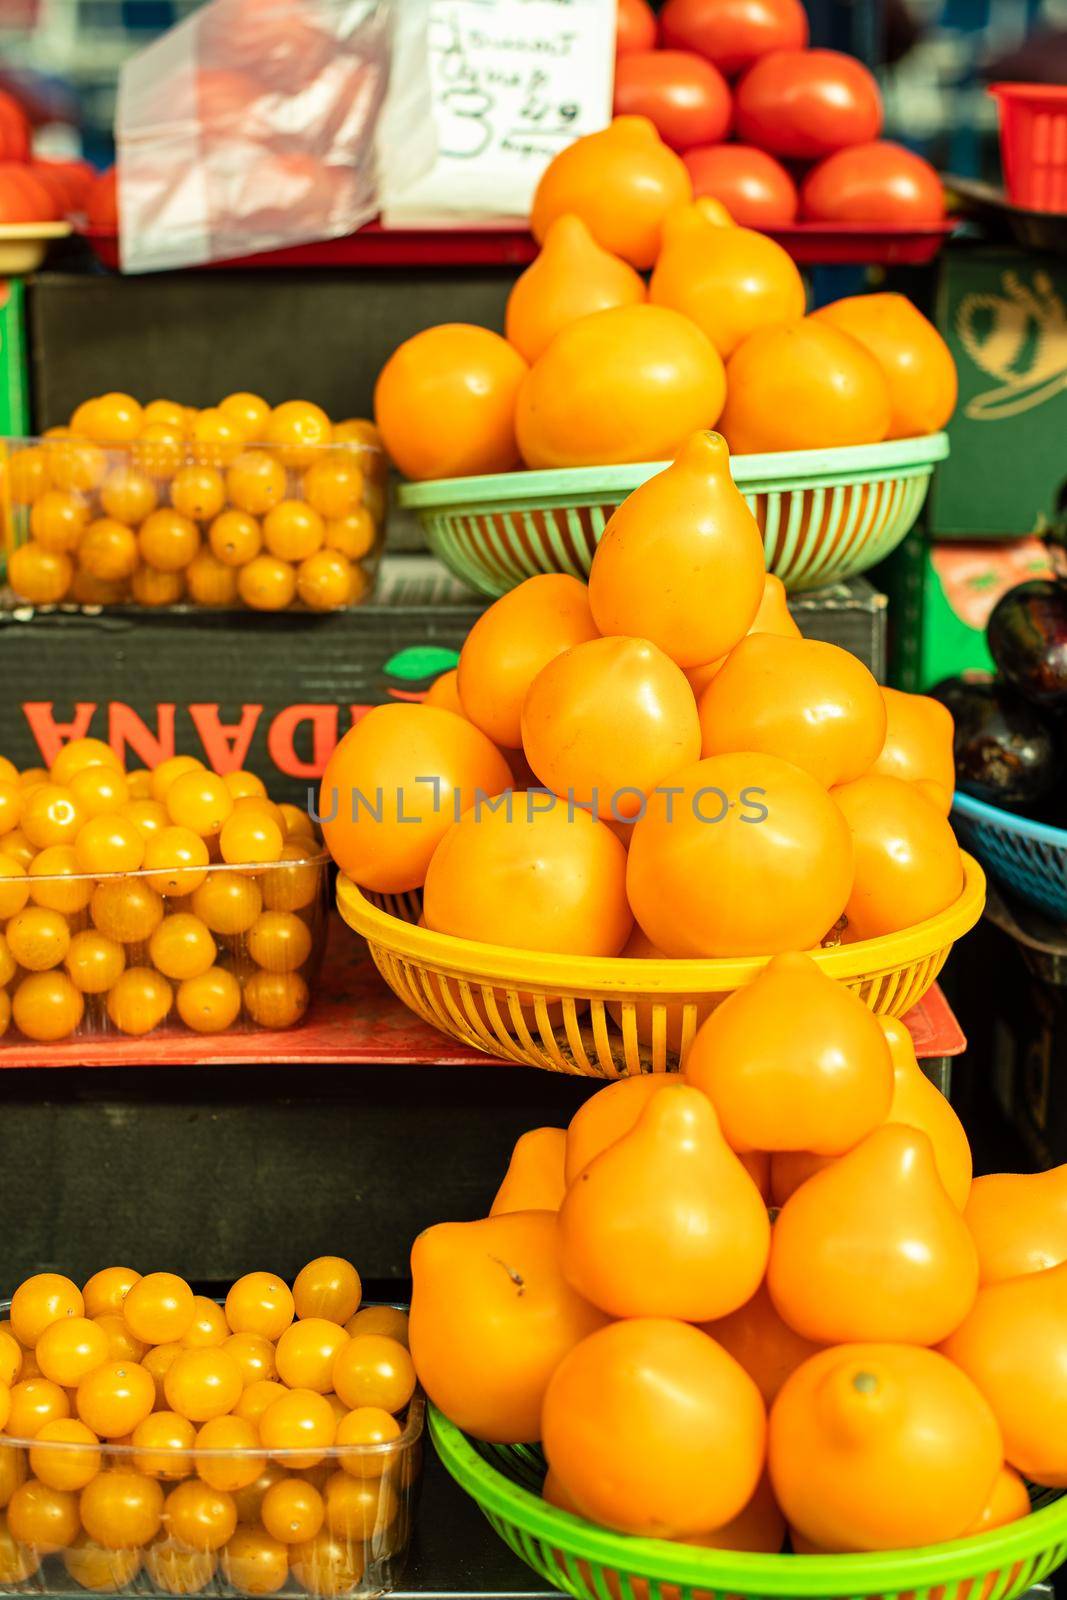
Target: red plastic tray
x,y
354,1020
372,246
809,243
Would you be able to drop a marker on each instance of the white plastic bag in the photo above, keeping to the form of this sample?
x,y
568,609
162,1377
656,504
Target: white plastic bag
x,y
256,124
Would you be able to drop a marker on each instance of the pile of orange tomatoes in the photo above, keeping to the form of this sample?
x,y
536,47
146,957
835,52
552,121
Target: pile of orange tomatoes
x,y
143,1426
129,899
656,764
763,1300
235,504
600,367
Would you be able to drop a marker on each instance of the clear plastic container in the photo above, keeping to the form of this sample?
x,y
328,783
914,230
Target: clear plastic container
x,y
202,949
188,1521
163,523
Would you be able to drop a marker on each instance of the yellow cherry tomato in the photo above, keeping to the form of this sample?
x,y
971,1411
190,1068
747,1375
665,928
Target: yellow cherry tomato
x,y
352,535
40,1300
41,1517
254,1563
327,1287
169,771
162,1443
153,589
42,577
127,910
255,482
121,1509
198,1516
159,1308
292,1511
228,902
51,815
234,538
267,583
210,1002
202,1384
293,530
298,429
14,889
168,541
248,412
57,880
176,859
306,1353
209,581
127,494
105,1292
275,1000
35,1401
374,1370
58,521
301,1424
121,1344
70,1349
251,838
139,1001
109,843
114,1397
324,581
217,438
238,1461
253,1354
100,1570
63,1468
46,1007
260,1302
367,1425
200,801
208,1328
99,790
279,941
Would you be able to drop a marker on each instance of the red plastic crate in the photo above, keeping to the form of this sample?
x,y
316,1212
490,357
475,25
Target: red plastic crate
x,y
1033,143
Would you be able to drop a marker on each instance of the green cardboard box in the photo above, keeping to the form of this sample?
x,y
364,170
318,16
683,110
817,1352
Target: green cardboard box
x,y
14,360
940,597
1003,312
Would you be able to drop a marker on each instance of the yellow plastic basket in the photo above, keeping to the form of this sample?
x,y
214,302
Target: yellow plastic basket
x,y
584,1016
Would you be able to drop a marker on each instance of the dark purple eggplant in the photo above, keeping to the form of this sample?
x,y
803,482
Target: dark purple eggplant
x,y
1007,752
1027,636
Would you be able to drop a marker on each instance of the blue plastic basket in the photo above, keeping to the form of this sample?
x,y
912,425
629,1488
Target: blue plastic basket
x,y
1028,858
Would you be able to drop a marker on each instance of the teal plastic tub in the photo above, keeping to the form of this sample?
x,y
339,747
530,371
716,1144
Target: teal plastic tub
x,y
825,515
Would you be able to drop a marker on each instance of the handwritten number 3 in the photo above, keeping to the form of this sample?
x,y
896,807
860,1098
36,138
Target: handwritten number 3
x,y
469,106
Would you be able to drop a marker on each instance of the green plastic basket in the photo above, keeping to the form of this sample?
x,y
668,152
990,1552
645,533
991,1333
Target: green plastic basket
x,y
593,1564
824,514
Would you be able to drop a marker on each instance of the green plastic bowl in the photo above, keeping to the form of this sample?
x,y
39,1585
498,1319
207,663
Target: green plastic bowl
x,y
594,1564
825,515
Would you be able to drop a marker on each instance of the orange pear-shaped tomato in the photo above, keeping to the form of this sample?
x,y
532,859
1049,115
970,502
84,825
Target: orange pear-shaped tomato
x,y
509,644
681,560
872,1248
766,1347
651,1428
793,1061
628,384
534,1179
607,1115
622,182
1018,1221
700,860
1014,1346
1008,1501
491,1319
759,1527
571,278
918,743
907,862
918,1104
666,1222
809,702
917,362
607,721
773,616
730,281
881,1447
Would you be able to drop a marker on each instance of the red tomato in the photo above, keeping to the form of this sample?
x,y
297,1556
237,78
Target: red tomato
x,y
733,33
635,27
14,130
756,189
102,203
685,97
68,182
807,103
23,197
880,182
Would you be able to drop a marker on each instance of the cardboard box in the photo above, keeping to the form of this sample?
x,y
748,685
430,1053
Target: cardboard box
x,y
940,597
1004,314
275,693
319,335
14,363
